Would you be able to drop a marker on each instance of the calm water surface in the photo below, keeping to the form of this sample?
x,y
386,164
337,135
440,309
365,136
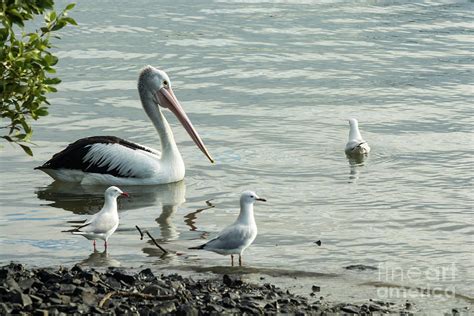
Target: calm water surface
x,y
269,86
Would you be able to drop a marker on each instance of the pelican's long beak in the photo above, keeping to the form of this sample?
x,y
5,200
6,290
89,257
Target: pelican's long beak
x,y
168,100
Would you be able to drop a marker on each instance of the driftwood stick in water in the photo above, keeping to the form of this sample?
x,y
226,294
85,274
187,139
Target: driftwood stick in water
x,y
151,237
140,231
154,241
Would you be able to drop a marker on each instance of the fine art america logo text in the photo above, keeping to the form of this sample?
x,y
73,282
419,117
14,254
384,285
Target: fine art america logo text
x,y
396,282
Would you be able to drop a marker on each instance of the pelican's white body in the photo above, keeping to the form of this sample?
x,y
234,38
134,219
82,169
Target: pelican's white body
x,y
138,167
356,144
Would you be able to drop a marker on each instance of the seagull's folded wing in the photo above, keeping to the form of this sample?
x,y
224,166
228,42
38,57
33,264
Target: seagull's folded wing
x,y
232,237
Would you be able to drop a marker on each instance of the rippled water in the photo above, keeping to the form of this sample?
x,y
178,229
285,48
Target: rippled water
x,y
269,86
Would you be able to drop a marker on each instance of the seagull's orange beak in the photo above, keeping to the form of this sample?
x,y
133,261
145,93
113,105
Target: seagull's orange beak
x,y
168,100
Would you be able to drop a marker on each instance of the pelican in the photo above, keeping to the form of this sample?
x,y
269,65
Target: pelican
x,y
114,161
356,146
234,239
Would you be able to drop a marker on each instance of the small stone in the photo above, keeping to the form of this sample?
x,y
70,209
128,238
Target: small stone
x,y
26,283
213,308
360,267
98,310
91,276
67,289
53,312
154,289
250,310
79,290
89,298
146,275
4,309
36,299
113,283
21,299
232,295
65,299
128,279
375,307
188,310
350,309
316,288
227,302
63,308
40,312
176,285
12,285
48,277
76,281
3,273
55,300
271,295
231,280
77,268
165,308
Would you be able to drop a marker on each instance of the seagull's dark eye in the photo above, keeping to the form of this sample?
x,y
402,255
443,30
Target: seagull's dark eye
x,y
252,196
165,82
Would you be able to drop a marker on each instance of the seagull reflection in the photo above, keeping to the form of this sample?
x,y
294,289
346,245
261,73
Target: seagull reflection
x,y
100,259
355,165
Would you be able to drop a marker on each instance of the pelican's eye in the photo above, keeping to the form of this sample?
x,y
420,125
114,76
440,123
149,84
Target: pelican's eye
x,y
165,83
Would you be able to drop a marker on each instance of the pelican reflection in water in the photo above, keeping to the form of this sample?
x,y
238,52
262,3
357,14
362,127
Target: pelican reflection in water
x,y
89,199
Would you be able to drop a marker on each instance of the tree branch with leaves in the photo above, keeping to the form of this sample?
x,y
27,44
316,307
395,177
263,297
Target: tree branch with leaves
x,y
26,66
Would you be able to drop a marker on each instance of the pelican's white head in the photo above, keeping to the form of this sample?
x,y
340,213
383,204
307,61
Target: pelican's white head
x,y
154,87
150,81
249,197
114,192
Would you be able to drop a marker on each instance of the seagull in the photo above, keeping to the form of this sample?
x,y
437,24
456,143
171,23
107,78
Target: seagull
x,y
356,145
235,238
114,161
104,223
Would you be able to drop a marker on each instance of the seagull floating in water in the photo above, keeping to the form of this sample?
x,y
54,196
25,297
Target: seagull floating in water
x,y
356,145
104,223
235,238
112,160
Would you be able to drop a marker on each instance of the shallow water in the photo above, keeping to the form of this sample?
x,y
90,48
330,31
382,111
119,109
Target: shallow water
x,y
269,86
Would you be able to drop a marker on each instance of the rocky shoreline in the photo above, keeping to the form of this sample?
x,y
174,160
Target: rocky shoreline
x,y
78,290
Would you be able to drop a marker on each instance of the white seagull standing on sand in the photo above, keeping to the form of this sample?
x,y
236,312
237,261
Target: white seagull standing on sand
x,y
112,160
356,144
235,238
104,223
